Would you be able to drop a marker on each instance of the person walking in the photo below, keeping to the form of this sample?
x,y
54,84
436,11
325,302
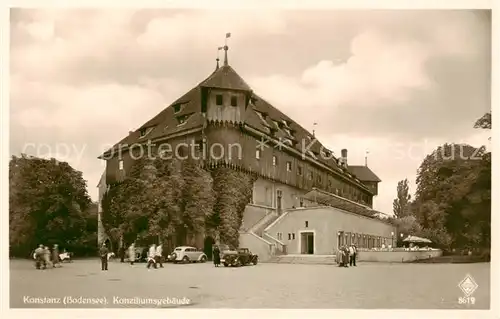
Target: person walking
x,y
131,253
46,257
103,253
38,255
55,256
158,255
216,255
151,256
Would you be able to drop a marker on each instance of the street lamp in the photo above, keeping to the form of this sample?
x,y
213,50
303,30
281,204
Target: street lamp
x,y
392,236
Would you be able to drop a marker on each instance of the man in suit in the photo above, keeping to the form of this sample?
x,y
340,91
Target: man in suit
x,y
103,253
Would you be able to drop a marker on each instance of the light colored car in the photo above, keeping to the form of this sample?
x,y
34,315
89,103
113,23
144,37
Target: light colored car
x,y
187,254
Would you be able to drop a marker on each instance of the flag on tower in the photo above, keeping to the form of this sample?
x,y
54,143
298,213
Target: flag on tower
x,y
228,35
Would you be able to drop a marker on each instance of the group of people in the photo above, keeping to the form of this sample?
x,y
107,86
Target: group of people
x,y
154,255
45,258
347,256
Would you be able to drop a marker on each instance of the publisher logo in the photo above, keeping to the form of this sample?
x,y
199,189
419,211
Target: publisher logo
x,y
468,285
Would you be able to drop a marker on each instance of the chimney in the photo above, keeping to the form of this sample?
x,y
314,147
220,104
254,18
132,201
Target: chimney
x,y
344,157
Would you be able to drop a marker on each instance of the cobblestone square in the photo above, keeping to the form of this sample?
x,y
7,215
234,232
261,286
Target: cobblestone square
x,y
266,285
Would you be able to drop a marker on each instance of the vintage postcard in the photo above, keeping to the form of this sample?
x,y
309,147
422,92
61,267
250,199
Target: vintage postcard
x,y
250,157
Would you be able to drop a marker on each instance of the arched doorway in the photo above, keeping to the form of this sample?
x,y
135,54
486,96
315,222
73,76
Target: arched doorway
x,y
207,246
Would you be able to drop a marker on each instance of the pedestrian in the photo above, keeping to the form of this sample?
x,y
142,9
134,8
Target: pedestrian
x,y
216,255
39,259
131,253
351,255
151,256
46,257
158,255
55,256
122,253
355,255
346,256
103,253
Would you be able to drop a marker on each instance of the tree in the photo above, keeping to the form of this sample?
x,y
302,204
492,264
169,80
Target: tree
x,y
233,191
452,197
47,204
401,204
484,122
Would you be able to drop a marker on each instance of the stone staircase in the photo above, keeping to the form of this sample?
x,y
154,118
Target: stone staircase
x,y
262,224
304,259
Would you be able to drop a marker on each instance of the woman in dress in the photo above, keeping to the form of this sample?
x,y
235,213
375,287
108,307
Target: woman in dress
x,y
216,255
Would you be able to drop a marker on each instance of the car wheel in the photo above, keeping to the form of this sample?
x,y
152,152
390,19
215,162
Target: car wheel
x,y
255,261
185,259
203,259
226,264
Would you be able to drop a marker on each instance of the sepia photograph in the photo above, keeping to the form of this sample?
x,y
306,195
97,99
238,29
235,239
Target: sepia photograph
x,y
257,158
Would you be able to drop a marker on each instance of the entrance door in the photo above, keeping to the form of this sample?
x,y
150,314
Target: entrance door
x,y
307,243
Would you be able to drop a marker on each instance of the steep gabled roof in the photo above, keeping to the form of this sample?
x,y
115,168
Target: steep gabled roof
x,y
226,77
260,115
363,173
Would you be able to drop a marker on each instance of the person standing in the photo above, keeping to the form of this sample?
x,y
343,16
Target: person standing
x,y
351,255
354,255
122,253
55,256
39,257
103,253
216,255
158,255
151,256
131,253
346,256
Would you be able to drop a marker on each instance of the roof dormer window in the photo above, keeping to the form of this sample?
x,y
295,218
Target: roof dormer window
x,y
182,119
177,108
145,131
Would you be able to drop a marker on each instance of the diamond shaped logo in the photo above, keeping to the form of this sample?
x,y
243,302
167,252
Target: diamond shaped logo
x,y
468,285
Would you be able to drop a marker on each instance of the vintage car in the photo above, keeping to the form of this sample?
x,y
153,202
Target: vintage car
x,y
187,254
242,257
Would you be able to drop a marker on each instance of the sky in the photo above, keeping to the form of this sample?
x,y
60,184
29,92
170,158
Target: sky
x,y
380,83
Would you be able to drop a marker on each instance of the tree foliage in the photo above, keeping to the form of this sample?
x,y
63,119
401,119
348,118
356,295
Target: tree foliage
x,y
48,204
401,204
233,191
160,201
453,198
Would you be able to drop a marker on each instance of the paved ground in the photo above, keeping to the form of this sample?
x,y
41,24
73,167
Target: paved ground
x,y
370,285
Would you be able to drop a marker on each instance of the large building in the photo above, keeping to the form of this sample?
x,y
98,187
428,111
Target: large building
x,y
224,118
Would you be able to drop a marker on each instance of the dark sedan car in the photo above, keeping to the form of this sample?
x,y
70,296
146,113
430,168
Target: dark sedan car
x,y
242,257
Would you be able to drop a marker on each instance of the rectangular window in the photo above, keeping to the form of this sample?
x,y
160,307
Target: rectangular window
x,y
120,164
275,161
289,166
289,236
143,132
181,120
307,223
299,170
257,154
218,99
234,101
301,202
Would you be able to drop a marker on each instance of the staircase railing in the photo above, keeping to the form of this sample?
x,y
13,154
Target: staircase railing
x,y
281,248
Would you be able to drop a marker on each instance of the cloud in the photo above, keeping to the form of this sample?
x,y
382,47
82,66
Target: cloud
x,y
382,81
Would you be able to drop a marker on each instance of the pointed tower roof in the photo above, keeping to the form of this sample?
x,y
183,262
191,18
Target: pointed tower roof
x,y
226,77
